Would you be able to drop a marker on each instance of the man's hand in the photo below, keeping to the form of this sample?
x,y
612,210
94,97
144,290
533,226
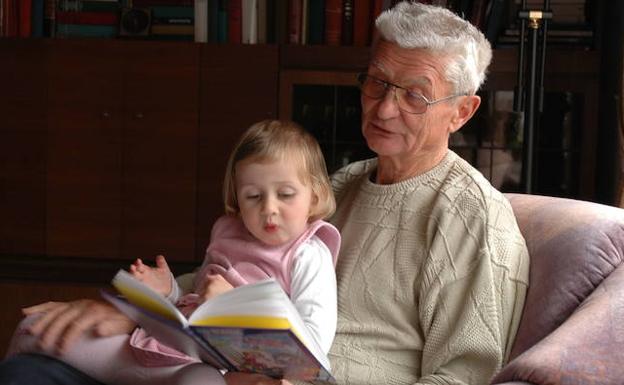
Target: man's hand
x,y
61,323
238,378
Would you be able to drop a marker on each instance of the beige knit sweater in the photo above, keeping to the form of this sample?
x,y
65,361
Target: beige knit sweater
x,y
432,276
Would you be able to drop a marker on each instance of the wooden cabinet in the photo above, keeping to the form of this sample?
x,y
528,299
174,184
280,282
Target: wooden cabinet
x,y
238,88
22,147
117,149
122,149
159,150
83,179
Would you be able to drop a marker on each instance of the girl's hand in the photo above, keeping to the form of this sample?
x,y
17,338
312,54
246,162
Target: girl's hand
x,y
158,278
215,285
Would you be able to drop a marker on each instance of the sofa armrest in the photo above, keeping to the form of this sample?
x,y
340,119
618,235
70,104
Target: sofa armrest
x,y
585,349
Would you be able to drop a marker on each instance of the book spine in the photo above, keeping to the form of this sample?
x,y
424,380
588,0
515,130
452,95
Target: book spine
x,y
24,11
12,20
213,20
49,18
201,21
304,22
249,22
495,21
91,18
346,33
83,30
222,22
37,18
88,6
477,15
316,12
149,3
362,22
167,29
173,20
333,21
162,11
2,5
294,21
235,24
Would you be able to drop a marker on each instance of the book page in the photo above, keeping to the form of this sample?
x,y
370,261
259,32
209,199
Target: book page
x,y
146,298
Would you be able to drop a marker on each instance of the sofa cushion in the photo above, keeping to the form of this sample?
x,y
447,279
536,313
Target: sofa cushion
x,y
573,246
585,349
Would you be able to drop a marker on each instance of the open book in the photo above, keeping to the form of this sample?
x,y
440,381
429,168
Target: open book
x,y
252,328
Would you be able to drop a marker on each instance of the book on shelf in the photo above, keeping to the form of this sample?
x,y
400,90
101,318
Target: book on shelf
x,y
87,5
316,22
262,23
253,328
333,22
91,18
346,27
362,21
200,21
85,30
295,18
235,21
249,22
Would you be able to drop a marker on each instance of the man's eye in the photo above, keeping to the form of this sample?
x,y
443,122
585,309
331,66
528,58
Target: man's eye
x,y
414,97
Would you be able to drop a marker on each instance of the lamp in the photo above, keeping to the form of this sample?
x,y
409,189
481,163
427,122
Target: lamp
x,y
529,98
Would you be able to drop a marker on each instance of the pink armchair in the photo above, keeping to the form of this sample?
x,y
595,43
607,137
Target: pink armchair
x,y
572,327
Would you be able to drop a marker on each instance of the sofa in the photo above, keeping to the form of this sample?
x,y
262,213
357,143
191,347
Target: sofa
x,y
572,327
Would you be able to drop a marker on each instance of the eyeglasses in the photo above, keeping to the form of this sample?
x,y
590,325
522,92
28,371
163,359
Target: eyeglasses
x,y
408,101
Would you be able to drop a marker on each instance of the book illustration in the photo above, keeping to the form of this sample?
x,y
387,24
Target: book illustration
x,y
252,328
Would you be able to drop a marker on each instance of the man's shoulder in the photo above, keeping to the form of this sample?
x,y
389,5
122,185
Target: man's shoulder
x,y
351,172
466,188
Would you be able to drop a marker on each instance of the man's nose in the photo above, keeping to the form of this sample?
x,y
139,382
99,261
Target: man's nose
x,y
388,106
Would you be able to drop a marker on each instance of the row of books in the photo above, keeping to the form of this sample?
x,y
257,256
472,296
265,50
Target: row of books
x,y
313,22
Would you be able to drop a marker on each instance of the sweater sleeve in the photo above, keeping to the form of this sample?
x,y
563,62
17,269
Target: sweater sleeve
x,y
472,292
313,291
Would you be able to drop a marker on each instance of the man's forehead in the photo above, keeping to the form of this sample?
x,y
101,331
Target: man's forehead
x,y
412,80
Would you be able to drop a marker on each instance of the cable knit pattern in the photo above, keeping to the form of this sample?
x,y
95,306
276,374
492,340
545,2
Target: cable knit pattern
x,y
432,276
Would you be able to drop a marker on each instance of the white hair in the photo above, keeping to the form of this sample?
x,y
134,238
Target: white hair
x,y
440,31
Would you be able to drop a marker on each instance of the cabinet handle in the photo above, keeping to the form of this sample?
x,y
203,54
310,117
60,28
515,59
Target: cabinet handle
x,y
138,115
106,114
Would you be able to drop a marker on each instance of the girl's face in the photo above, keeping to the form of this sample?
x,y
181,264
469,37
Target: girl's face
x,y
274,203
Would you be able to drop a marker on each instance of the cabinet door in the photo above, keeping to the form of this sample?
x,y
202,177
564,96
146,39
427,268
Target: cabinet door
x,y
22,146
238,88
161,102
84,152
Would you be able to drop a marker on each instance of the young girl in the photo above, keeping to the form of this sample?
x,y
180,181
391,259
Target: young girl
x,y
276,194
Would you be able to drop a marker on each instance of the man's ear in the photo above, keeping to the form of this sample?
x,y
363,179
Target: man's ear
x,y
466,108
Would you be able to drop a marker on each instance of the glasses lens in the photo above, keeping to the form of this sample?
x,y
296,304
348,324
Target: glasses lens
x,y
371,87
411,102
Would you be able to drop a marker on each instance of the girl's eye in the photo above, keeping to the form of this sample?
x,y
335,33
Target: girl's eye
x,y
286,195
253,197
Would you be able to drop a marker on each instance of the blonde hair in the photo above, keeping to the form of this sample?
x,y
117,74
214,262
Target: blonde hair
x,y
271,140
